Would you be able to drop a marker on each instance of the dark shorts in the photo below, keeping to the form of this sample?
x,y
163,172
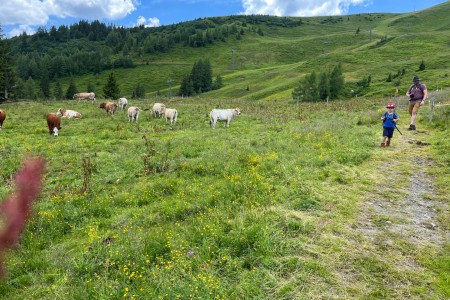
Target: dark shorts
x,y
387,131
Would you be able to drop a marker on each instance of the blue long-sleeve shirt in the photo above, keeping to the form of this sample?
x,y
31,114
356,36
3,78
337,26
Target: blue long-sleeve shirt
x,y
389,119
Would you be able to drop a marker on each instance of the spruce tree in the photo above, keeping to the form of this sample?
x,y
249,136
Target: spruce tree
x,y
29,88
186,87
422,66
336,82
57,91
312,92
45,84
217,83
324,86
111,89
71,90
90,87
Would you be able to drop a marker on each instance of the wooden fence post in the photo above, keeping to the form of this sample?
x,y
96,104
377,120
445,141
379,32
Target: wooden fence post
x,y
431,109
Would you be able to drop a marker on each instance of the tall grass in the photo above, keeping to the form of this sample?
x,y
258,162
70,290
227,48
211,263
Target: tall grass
x,y
150,211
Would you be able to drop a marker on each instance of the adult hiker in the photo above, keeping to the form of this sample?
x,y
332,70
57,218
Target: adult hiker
x,y
390,119
417,94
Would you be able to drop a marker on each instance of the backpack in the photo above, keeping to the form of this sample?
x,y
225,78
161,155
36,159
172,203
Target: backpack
x,y
420,86
385,115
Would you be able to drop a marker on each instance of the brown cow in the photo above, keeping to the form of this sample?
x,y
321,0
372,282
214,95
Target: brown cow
x,y
54,123
2,117
110,107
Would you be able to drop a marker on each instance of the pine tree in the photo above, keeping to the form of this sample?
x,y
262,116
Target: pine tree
x,y
201,75
7,77
71,90
336,82
186,87
422,66
45,84
111,89
311,90
217,83
90,87
139,91
29,89
57,91
389,78
324,86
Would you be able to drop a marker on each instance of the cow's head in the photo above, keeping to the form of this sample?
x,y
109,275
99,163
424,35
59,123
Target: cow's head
x,y
237,111
61,112
55,131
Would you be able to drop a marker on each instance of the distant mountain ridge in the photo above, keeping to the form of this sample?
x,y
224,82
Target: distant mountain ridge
x,y
258,56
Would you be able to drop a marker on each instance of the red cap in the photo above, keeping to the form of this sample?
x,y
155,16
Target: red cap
x,y
390,105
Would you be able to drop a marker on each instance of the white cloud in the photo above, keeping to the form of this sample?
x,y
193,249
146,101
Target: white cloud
x,y
15,12
21,29
37,12
150,22
298,8
22,13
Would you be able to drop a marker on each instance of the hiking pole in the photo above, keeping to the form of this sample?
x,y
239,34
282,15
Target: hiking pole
x,y
398,129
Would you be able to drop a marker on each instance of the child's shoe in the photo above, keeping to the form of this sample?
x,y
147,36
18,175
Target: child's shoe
x,y
388,143
382,145
412,127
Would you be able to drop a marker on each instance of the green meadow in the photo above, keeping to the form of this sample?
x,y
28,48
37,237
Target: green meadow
x,y
269,208
295,200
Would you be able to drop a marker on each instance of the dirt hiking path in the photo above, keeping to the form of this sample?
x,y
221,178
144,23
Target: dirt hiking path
x,y
399,217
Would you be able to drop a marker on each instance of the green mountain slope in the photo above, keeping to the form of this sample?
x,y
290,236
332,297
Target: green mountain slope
x,y
269,66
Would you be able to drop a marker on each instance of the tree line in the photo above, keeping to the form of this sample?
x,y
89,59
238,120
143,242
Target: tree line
x,y
92,47
323,86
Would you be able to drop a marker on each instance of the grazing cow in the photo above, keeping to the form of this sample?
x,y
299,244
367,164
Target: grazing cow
x,y
122,102
53,122
171,114
67,113
2,117
133,113
158,110
87,96
225,115
110,107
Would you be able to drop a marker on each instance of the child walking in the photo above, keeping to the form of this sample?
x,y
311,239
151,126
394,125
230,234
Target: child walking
x,y
389,118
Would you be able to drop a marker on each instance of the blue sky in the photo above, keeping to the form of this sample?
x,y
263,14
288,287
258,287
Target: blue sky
x,y
17,16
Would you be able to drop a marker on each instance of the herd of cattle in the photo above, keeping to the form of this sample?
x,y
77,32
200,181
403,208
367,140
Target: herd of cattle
x,y
158,110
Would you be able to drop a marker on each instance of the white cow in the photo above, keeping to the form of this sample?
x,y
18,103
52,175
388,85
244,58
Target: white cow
x,y
171,114
133,113
158,110
123,102
88,96
68,113
225,115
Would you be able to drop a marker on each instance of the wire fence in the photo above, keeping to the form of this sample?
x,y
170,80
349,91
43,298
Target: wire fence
x,y
436,100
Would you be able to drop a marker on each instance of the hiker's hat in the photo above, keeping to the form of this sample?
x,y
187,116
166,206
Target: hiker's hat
x,y
390,105
416,78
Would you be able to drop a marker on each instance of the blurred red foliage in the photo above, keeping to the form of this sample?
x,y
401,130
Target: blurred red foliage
x,y
15,210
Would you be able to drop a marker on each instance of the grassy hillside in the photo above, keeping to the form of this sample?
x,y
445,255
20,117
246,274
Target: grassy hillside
x,y
270,66
292,201
272,207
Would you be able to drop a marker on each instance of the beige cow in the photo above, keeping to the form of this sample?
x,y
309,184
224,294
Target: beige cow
x,y
85,96
171,114
68,113
158,110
